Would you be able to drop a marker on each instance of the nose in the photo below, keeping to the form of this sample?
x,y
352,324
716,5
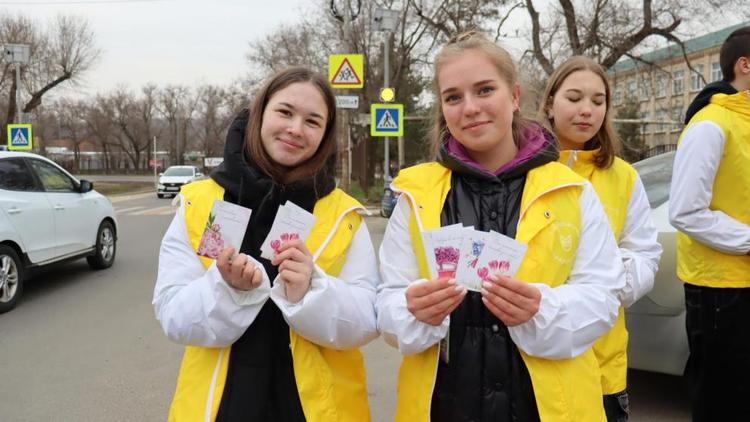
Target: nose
x,y
295,127
471,106
586,108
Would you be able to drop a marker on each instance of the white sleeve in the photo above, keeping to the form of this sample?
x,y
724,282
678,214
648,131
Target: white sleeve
x,y
572,316
399,269
194,305
639,247
695,165
337,312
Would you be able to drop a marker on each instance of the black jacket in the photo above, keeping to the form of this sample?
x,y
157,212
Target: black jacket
x,y
485,378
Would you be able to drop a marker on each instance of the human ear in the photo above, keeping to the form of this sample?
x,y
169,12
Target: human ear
x,y
516,92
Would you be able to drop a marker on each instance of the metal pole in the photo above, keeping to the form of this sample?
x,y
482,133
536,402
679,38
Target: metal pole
x,y
345,158
386,83
18,93
156,179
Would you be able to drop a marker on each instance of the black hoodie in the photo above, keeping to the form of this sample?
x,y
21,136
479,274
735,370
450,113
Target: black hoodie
x,y
704,97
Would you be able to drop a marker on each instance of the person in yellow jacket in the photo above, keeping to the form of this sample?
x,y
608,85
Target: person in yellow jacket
x,y
519,350
577,107
709,205
294,357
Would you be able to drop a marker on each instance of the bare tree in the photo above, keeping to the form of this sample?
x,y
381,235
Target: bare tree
x,y
64,52
71,123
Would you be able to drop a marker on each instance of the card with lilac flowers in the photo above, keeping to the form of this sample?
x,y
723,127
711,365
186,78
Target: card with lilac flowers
x,y
225,227
442,246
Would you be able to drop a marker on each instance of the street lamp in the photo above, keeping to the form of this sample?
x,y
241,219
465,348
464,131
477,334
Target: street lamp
x,y
386,20
17,54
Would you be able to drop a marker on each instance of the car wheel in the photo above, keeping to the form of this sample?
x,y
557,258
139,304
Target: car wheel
x,y
160,195
11,278
106,246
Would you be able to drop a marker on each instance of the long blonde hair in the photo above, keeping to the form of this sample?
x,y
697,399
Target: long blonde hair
x,y
498,56
606,139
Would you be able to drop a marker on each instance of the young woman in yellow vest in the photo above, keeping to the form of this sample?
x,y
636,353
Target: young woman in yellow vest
x,y
577,108
521,349
272,340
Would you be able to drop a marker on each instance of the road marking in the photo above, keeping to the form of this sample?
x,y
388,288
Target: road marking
x,y
122,210
120,198
165,210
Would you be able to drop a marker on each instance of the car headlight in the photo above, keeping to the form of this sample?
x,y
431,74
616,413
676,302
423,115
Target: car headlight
x,y
160,186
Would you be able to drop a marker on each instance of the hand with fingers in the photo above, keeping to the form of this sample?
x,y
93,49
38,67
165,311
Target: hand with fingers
x,y
432,301
295,269
240,272
512,301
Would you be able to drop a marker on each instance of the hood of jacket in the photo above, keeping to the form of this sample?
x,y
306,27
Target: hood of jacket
x,y
704,97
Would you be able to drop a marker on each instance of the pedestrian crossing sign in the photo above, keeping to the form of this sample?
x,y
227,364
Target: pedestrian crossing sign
x,y
19,137
346,70
386,120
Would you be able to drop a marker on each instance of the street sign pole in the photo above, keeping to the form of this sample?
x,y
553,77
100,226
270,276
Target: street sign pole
x,y
386,83
156,178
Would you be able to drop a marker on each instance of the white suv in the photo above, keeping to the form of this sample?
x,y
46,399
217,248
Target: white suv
x,y
172,180
48,216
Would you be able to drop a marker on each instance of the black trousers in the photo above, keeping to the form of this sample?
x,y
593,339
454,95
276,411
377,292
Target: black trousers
x,y
718,369
617,406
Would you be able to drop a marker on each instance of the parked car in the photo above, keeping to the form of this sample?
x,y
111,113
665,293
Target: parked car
x,y
172,180
388,202
656,323
48,216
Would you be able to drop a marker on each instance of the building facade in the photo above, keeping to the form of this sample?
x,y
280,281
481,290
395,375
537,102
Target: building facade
x,y
663,85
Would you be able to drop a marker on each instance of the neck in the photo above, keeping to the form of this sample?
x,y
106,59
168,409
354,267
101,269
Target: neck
x,y
740,85
494,159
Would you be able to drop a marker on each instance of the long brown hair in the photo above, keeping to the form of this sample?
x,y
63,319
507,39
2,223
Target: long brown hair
x,y
498,56
606,139
253,143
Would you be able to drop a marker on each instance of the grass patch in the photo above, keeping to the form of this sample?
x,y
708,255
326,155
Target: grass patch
x,y
119,188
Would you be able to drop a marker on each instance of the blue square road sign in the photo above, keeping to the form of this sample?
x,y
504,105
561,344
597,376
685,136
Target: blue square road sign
x,y
19,137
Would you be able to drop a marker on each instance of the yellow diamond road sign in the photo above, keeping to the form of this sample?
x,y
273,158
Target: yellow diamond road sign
x,y
346,70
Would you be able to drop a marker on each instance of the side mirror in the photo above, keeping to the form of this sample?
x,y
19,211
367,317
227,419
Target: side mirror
x,y
199,174
85,186
161,174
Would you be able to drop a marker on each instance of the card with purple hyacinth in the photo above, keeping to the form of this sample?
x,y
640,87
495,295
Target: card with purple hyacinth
x,y
225,227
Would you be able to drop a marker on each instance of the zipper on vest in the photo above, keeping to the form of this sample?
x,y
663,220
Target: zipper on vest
x,y
573,158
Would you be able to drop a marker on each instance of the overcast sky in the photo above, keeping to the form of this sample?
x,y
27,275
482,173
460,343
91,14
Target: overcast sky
x,y
168,41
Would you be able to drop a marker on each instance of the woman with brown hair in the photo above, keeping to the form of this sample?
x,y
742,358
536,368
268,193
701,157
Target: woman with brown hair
x,y
577,108
294,357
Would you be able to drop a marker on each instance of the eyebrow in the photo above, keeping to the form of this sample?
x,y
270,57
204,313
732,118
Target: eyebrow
x,y
312,114
578,91
478,83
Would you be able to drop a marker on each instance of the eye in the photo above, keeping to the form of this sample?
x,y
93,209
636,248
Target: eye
x,y
284,112
485,90
450,99
573,99
313,122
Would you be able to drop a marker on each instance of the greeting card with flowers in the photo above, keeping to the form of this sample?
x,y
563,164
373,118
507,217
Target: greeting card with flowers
x,y
443,248
292,222
225,227
501,255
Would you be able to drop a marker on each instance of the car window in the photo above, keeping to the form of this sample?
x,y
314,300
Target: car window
x,y
53,179
175,171
656,174
15,175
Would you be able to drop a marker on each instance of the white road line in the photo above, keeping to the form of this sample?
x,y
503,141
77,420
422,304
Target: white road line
x,y
120,198
122,210
166,210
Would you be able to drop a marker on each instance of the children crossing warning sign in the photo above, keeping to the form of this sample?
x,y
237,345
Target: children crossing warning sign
x,y
19,137
386,120
346,70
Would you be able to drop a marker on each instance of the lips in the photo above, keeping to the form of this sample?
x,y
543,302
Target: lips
x,y
290,144
582,125
474,125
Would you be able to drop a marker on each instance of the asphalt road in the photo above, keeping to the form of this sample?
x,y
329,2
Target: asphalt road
x,y
84,345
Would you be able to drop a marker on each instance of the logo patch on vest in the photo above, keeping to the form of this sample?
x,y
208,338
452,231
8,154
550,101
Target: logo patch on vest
x,y
566,236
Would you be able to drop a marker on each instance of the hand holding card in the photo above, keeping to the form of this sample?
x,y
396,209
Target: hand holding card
x,y
291,223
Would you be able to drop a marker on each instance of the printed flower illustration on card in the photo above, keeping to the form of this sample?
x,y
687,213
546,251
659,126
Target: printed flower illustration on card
x,y
494,267
446,258
211,243
283,238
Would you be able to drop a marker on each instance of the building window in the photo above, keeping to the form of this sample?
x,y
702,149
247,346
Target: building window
x,y
645,89
715,72
696,79
631,90
618,95
678,76
677,116
661,87
661,116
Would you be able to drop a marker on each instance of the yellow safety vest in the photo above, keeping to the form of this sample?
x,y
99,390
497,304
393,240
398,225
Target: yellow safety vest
x,y
331,383
697,263
566,390
613,185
